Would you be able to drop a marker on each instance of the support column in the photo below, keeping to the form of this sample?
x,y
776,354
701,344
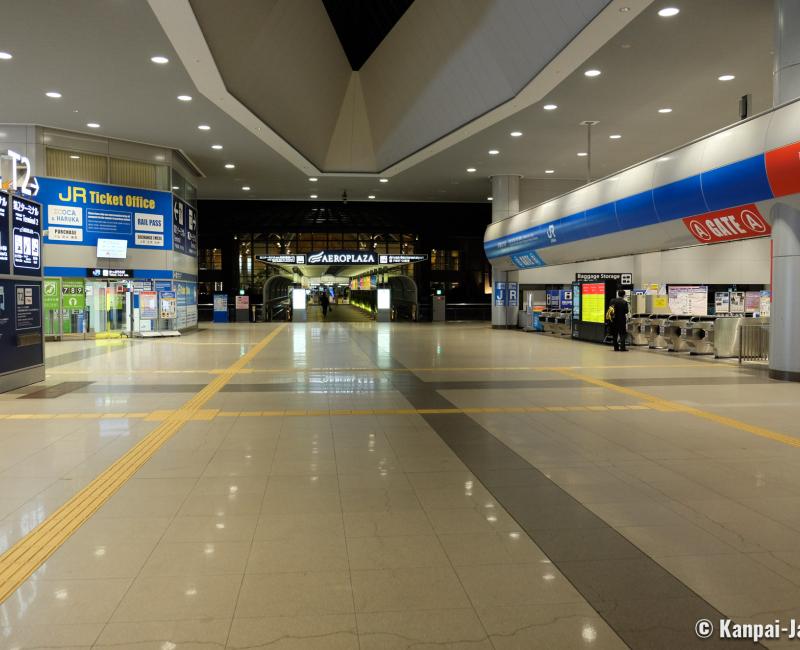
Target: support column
x,y
786,65
784,353
505,203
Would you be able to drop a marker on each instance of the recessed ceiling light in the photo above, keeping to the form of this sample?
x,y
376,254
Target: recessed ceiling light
x,y
471,170
383,180
550,107
175,187
229,166
246,188
515,134
204,127
313,179
75,157
726,77
5,56
159,59
549,171
592,73
185,98
93,125
614,136
582,154
664,110
216,146
624,10
488,198
493,152
312,196
371,196
667,12
53,94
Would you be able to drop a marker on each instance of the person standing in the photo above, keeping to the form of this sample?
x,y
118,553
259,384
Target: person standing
x,y
617,315
324,302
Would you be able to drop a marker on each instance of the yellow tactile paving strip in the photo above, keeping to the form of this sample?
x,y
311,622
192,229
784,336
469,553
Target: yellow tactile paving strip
x,y
210,414
22,559
661,404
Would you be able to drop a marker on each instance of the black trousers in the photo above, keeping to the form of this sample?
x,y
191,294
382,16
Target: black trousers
x,y
618,334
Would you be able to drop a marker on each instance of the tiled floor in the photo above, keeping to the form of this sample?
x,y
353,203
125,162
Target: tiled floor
x,y
363,485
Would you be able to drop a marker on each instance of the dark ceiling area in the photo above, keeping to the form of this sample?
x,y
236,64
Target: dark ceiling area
x,y
220,217
361,25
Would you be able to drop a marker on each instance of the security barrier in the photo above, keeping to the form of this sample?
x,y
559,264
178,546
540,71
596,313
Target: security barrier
x,y
753,342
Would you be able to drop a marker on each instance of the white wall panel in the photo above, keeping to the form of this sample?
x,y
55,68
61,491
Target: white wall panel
x,y
742,262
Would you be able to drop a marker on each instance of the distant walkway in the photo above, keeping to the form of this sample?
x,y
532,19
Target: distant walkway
x,y
339,314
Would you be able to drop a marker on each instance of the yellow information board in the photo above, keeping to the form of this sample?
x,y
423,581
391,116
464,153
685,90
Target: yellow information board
x,y
593,297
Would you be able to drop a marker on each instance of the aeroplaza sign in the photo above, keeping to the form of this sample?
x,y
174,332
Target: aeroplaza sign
x,y
323,258
342,257
743,222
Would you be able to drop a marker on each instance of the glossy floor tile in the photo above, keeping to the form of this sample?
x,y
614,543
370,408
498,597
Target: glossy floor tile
x,y
382,486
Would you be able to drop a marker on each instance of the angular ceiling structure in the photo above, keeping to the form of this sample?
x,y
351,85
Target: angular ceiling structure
x,y
442,65
361,25
425,89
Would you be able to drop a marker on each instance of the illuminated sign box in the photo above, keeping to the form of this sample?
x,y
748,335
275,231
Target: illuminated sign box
x,y
384,299
298,298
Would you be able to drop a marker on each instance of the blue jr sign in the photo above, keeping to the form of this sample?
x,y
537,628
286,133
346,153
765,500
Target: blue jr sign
x,y
499,294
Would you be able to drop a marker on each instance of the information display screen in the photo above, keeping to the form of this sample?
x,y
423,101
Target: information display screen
x,y
116,249
593,297
576,302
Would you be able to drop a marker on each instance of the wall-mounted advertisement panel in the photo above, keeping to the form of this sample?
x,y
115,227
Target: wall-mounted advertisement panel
x,y
26,236
5,263
148,305
752,301
688,300
78,214
737,302
169,308
187,304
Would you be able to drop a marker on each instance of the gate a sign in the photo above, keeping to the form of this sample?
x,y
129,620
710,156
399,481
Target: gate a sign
x,y
742,222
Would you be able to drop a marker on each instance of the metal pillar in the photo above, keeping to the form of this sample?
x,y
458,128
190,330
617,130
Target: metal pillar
x,y
505,203
784,353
